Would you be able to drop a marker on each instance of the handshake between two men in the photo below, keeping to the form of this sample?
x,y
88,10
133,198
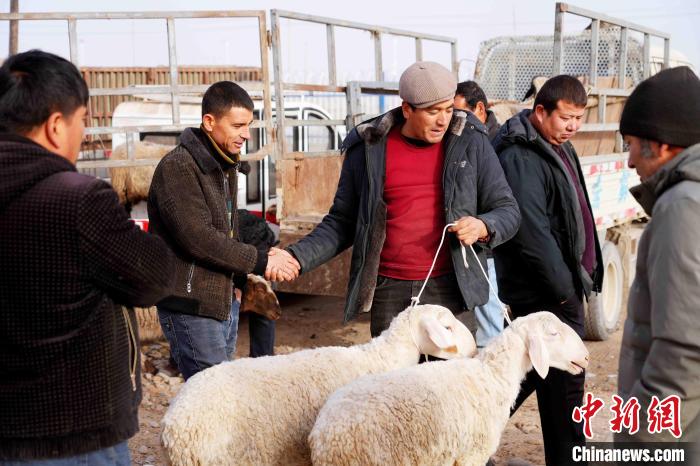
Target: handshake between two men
x,y
283,266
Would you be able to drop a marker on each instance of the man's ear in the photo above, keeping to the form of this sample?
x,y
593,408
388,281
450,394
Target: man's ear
x,y
481,111
53,129
406,109
540,113
208,121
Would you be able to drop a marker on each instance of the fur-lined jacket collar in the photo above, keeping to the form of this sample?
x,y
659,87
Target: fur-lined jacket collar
x,y
375,130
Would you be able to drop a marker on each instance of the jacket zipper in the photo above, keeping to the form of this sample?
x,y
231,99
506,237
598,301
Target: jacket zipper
x,y
189,278
445,164
133,360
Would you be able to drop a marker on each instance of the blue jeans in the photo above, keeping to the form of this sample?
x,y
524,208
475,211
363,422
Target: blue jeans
x,y
118,455
489,317
196,342
262,335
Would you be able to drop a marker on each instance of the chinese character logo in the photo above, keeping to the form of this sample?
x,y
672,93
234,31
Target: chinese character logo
x,y
626,415
665,415
586,412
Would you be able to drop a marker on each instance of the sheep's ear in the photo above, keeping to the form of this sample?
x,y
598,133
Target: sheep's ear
x,y
436,334
464,339
538,355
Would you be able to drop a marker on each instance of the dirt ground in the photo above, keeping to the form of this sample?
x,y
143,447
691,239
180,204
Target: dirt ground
x,y
311,321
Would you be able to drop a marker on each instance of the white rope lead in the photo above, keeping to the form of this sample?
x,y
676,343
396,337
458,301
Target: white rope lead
x,y
416,299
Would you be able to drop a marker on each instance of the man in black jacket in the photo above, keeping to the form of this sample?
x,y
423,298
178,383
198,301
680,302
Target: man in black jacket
x,y
470,96
554,261
192,206
406,175
70,383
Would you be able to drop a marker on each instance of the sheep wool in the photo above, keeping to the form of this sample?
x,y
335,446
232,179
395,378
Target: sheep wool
x,y
260,411
443,413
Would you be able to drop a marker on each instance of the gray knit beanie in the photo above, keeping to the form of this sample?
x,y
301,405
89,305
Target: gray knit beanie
x,y
427,83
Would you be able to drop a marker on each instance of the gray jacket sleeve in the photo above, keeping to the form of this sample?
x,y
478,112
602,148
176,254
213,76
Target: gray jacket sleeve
x,y
673,264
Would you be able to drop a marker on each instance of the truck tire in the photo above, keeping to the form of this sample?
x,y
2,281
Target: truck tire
x,y
603,309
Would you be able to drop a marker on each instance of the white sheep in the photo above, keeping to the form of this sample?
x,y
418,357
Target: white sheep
x,y
260,411
443,413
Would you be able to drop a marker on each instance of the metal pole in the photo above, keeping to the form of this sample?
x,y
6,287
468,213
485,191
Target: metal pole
x,y
267,108
174,80
667,52
73,41
455,61
602,104
595,26
622,68
279,86
353,94
646,59
377,55
14,28
419,49
558,44
330,48
265,65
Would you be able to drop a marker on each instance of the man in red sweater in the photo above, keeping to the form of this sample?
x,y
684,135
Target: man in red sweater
x,y
406,175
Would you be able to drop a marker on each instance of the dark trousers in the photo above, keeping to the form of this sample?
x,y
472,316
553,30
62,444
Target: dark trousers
x,y
392,296
559,393
262,335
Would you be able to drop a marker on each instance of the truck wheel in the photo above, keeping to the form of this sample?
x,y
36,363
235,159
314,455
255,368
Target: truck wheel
x,y
603,309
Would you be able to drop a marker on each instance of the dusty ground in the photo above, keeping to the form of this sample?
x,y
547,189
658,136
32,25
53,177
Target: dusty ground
x,y
316,321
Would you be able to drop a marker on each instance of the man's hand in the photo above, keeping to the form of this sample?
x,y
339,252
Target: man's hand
x,y
281,266
469,230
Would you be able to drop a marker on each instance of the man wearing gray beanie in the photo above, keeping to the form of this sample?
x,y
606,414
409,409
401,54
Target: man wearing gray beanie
x,y
406,175
660,353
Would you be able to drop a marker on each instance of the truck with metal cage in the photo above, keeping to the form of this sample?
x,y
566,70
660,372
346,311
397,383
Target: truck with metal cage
x,y
610,56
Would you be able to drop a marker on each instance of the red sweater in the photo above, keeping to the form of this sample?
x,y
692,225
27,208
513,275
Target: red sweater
x,y
415,210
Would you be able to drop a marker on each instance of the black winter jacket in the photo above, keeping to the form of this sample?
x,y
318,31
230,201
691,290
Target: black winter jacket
x,y
69,366
542,263
473,184
187,208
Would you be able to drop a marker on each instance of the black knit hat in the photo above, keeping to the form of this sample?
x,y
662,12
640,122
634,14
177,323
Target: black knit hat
x,y
665,108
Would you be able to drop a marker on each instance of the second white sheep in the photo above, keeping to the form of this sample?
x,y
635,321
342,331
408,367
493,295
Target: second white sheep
x,y
443,413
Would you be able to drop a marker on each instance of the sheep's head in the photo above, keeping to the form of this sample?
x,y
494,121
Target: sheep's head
x,y
260,298
551,343
437,332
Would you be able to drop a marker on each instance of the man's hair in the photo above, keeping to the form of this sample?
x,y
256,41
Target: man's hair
x,y
472,93
223,96
562,87
35,84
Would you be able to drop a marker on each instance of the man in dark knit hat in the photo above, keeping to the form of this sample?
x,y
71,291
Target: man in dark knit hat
x,y
407,174
660,354
70,380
